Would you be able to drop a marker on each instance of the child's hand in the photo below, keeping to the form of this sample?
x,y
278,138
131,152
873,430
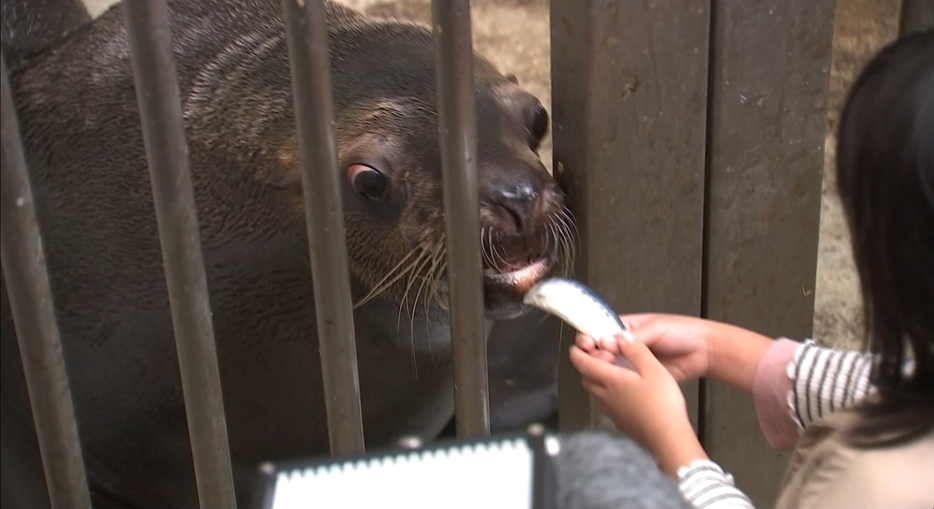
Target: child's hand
x,y
645,404
679,342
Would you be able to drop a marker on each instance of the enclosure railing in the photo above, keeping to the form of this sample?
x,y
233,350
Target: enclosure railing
x,y
34,317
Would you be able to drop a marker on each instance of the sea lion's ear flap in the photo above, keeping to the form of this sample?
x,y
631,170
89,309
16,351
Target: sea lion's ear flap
x,y
513,78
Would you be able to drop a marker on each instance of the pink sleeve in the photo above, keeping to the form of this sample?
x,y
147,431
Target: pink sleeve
x,y
770,390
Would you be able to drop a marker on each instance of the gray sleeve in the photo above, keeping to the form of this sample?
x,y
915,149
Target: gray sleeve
x,y
598,470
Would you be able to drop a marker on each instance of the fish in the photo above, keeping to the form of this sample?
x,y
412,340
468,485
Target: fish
x,y
580,307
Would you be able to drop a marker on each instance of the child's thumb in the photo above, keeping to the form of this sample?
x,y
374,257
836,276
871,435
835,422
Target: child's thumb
x,y
639,355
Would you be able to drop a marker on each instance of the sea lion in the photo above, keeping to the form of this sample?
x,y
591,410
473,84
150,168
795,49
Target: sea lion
x,y
29,26
80,125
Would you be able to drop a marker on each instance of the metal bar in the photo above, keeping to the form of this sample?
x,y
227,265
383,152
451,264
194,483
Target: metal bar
x,y
314,112
34,318
629,133
915,16
157,93
765,159
458,136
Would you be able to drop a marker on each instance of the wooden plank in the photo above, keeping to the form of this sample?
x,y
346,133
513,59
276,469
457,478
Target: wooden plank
x,y
629,85
769,78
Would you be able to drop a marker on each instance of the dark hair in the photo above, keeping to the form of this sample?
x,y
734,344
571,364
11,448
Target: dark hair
x,y
885,176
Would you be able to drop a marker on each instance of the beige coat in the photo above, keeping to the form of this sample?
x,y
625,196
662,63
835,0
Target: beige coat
x,y
826,473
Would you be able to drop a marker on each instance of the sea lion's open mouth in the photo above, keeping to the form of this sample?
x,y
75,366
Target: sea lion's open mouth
x,y
522,277
505,286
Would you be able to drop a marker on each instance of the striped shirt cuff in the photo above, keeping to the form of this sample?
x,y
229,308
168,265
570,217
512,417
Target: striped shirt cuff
x,y
826,380
706,486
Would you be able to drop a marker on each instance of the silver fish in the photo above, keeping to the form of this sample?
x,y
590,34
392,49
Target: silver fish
x,y
581,308
578,305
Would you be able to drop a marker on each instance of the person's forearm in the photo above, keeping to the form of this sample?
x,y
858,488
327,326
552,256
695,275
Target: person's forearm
x,y
676,446
702,482
734,354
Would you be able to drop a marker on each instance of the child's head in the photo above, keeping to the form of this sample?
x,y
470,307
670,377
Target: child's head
x,y
885,173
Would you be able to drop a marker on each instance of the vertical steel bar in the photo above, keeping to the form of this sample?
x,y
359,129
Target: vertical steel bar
x,y
150,39
34,318
458,134
314,112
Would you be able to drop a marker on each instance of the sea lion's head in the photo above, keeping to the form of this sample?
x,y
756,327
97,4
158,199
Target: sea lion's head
x,y
386,128
388,145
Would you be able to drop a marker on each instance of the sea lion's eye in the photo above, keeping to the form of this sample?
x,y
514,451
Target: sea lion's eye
x,y
368,182
538,125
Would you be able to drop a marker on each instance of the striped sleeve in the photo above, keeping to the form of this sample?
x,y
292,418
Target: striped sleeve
x,y
825,380
706,486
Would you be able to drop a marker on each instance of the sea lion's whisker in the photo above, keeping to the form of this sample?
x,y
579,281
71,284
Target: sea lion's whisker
x,y
567,248
562,245
486,244
496,253
425,277
413,267
566,230
553,241
395,273
413,270
431,279
434,276
491,257
567,221
421,262
426,262
555,247
440,269
402,305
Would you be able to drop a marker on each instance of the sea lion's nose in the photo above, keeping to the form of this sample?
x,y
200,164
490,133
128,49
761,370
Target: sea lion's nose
x,y
517,203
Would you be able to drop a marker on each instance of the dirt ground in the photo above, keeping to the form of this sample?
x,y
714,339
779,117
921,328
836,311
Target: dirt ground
x,y
514,34
861,28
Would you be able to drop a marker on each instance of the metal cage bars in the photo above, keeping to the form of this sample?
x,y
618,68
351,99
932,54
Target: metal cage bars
x,y
149,34
311,85
34,317
150,39
458,138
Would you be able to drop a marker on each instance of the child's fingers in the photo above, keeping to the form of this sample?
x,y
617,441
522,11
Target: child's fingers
x,y
635,320
603,355
585,342
594,368
608,344
641,358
